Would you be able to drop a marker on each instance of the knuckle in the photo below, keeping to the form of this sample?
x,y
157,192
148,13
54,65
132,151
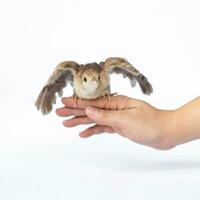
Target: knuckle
x,y
122,97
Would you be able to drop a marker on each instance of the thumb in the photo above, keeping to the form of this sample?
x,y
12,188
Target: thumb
x,y
103,117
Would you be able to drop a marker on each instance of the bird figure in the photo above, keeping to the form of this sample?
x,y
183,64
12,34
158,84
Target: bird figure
x,y
89,81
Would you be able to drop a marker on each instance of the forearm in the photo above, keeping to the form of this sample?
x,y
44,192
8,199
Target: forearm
x,y
183,124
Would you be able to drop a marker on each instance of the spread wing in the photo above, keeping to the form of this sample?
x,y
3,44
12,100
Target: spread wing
x,y
122,66
62,74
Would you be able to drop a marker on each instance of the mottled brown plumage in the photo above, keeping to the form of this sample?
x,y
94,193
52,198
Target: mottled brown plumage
x,y
89,81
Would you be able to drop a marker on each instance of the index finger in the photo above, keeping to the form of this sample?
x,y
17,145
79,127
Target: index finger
x,y
115,102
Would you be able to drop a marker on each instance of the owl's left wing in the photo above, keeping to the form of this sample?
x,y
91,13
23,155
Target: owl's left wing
x,y
62,74
122,66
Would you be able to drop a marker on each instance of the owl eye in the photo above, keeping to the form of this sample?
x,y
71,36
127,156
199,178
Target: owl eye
x,y
98,77
85,79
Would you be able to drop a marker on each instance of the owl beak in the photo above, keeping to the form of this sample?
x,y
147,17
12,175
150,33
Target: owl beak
x,y
94,80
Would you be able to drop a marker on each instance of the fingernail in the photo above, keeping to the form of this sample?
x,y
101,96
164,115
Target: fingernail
x,y
81,134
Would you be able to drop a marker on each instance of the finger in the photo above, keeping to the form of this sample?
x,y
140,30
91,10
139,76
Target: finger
x,y
115,102
95,130
64,112
111,118
77,121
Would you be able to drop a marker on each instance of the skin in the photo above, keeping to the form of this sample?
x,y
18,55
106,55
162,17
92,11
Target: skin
x,y
135,120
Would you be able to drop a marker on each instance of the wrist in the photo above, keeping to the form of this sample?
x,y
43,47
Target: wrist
x,y
167,125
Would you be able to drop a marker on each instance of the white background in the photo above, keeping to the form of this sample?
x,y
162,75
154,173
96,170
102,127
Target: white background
x,y
39,158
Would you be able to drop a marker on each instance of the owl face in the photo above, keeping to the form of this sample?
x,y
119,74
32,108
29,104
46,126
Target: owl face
x,y
90,80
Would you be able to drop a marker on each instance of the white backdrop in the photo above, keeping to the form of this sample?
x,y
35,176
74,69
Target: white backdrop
x,y
39,158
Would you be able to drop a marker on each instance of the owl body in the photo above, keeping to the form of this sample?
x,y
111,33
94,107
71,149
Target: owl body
x,y
91,82
90,92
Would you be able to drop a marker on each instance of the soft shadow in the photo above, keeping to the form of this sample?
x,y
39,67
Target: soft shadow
x,y
142,165
137,164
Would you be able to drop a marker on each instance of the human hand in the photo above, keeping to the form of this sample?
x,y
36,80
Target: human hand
x,y
131,118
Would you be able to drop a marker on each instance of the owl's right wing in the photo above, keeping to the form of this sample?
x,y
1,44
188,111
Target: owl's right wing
x,y
62,74
122,66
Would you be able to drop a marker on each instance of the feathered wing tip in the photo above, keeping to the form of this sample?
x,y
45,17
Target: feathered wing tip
x,y
145,86
39,99
47,96
45,100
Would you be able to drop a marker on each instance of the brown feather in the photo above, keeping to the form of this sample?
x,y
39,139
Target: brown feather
x,y
63,74
122,66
